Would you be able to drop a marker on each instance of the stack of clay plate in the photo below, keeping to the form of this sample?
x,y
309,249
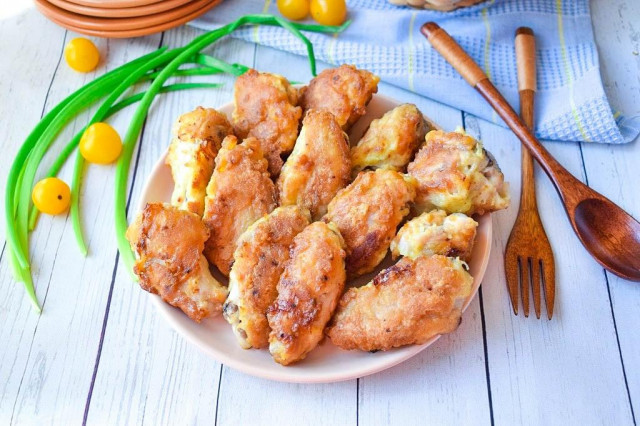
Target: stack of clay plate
x,y
122,18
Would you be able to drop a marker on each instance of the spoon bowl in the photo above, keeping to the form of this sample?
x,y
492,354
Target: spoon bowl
x,y
610,234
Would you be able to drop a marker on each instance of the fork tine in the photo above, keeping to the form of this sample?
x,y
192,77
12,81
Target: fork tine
x,y
511,273
524,285
535,266
549,271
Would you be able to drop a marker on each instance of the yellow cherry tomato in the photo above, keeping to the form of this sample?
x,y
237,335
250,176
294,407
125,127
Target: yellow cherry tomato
x,y
100,144
329,12
294,9
51,196
82,55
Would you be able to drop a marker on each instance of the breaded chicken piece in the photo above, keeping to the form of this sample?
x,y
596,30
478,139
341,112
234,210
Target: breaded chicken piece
x,y
344,91
262,252
390,141
197,137
408,303
455,173
318,167
265,108
367,213
168,244
308,292
436,233
239,193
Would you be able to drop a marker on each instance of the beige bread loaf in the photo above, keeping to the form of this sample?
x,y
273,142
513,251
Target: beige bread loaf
x,y
444,5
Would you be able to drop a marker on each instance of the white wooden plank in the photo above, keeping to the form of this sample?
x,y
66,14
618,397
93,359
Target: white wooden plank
x,y
16,316
49,362
547,372
613,170
147,373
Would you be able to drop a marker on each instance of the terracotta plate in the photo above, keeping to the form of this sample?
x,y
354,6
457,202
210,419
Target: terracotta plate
x,y
118,24
114,4
137,32
326,363
123,12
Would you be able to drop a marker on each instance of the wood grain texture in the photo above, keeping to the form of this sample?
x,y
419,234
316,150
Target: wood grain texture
x,y
613,170
572,359
566,370
154,379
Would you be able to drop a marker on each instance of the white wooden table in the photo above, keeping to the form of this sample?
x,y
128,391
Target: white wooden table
x,y
100,354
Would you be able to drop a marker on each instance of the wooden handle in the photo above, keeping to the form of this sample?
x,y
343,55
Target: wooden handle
x,y
526,59
453,53
567,185
526,65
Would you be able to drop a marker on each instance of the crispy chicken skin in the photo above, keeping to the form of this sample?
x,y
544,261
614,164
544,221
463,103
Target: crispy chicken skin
x,y
265,108
197,137
390,141
168,244
344,91
318,167
455,173
436,233
308,292
239,193
367,213
408,303
262,252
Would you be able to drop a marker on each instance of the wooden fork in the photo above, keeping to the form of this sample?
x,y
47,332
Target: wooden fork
x,y
528,256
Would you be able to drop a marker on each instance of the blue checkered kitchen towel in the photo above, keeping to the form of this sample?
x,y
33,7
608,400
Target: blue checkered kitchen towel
x,y
385,39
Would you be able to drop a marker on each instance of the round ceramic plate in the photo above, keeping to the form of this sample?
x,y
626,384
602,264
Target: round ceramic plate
x,y
107,33
326,363
122,12
118,24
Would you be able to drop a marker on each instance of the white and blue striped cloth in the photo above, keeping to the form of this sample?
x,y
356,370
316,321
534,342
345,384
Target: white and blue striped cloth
x,y
385,39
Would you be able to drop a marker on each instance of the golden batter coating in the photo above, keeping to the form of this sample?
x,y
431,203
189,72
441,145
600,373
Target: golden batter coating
x,y
265,108
455,173
390,141
408,303
367,213
318,167
436,233
263,250
239,193
197,137
344,91
168,244
308,292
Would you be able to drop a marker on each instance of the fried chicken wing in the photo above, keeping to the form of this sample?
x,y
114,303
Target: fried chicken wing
x,y
239,193
318,167
168,244
408,303
390,141
436,233
455,173
262,252
344,91
367,213
197,137
308,292
265,108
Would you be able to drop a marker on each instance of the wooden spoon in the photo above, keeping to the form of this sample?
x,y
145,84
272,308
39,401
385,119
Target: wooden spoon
x,y
609,233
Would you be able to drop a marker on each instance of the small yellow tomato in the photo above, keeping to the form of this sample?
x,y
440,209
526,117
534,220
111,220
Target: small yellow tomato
x,y
329,12
294,9
100,144
51,196
82,55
